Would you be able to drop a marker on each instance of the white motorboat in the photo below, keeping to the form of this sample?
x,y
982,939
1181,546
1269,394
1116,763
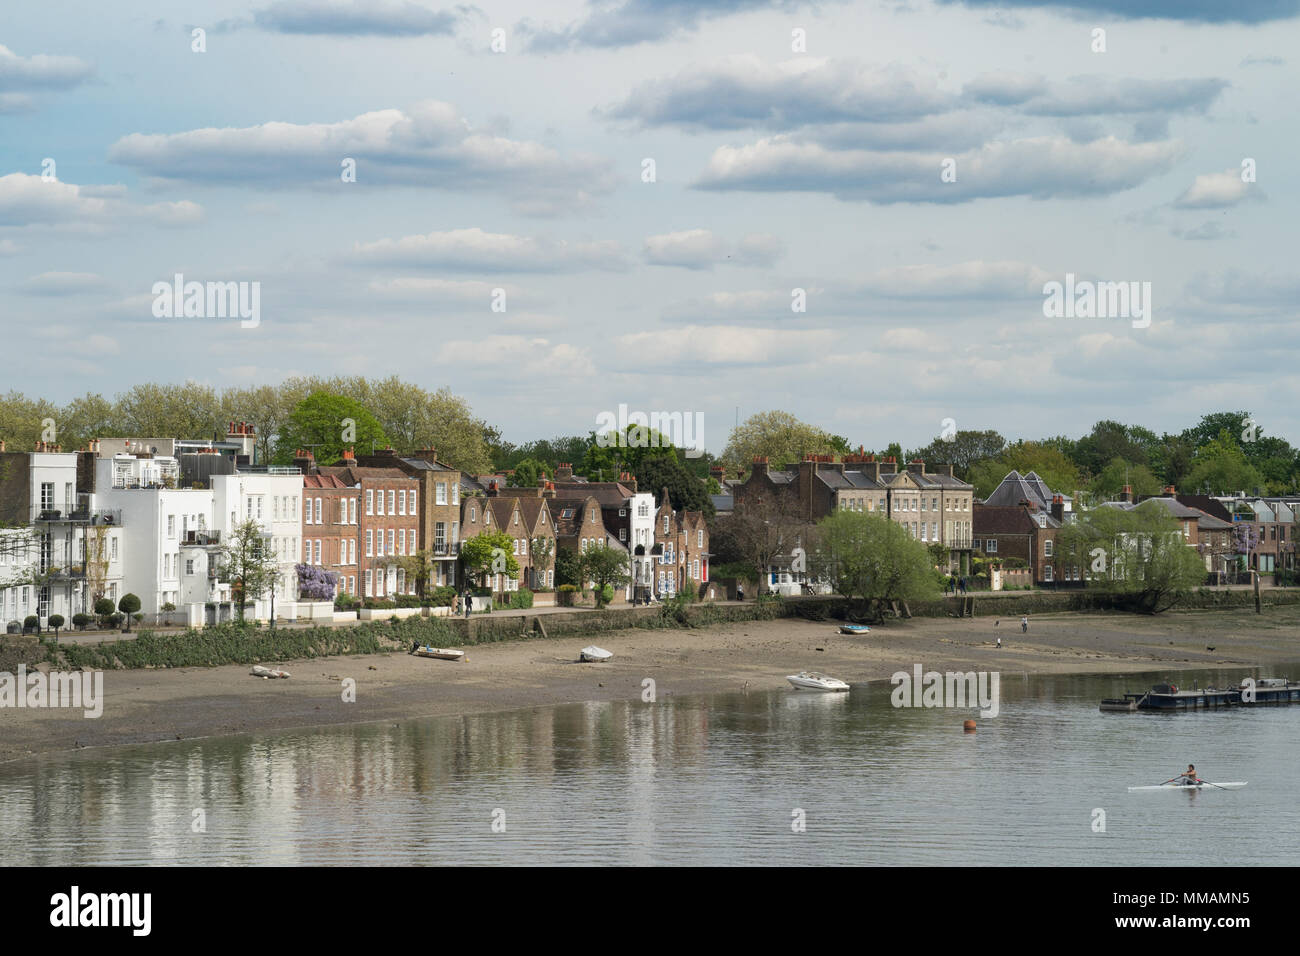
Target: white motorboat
x,y
811,680
593,654
442,653
268,672
1233,785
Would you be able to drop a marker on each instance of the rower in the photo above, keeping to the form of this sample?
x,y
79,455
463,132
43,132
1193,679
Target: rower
x,y
1188,779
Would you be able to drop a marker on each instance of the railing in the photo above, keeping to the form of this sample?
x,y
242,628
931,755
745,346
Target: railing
x,y
958,542
202,537
76,515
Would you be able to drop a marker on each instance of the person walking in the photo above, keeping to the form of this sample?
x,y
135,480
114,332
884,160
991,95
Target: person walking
x,y
469,604
1024,623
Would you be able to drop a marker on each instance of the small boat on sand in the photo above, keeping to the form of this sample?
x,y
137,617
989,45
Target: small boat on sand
x,y
811,680
854,629
594,655
266,673
442,653
1234,785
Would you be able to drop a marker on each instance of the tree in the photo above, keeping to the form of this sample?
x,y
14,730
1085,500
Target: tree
x,y
777,436
605,567
1138,554
961,450
759,530
128,606
1220,468
543,551
329,423
527,473
1110,483
1109,440
152,410
872,559
685,491
417,566
56,622
247,564
568,569
612,453
103,608
489,553
1048,462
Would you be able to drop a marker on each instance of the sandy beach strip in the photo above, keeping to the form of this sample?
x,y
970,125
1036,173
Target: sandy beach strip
x,y
141,706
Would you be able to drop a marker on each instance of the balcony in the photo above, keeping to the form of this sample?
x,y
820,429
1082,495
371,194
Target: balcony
x,y
959,542
202,538
65,515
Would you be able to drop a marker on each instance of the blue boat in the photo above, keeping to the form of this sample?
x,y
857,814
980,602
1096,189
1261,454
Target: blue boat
x,y
854,629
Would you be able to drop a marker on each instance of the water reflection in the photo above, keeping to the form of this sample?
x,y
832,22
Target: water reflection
x,y
685,780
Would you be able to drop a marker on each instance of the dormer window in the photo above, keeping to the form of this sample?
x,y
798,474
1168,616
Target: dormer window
x,y
1042,521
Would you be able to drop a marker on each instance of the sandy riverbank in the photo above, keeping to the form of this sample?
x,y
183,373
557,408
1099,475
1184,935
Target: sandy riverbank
x,y
149,705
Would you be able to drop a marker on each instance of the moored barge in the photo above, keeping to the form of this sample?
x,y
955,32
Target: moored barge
x,y
1170,697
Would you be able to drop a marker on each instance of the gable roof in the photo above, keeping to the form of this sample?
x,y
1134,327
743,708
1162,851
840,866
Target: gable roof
x,y
1008,519
1029,487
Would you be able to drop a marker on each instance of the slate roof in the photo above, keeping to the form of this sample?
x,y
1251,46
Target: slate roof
x,y
1007,519
323,481
353,474
723,503
1029,487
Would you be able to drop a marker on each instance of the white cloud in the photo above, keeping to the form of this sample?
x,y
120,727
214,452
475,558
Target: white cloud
x,y
477,250
29,200
429,146
63,283
701,249
1216,191
40,72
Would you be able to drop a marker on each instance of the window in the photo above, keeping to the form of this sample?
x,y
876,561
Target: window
x,y
991,546
352,510
516,546
440,493
1047,547
370,502
401,535
622,534
665,524
171,526
370,544
523,547
275,507
1047,571
318,511
934,504
392,496
516,517
411,494
47,495
401,502
455,493
369,585
318,551
699,538
392,535
473,513
922,504
440,537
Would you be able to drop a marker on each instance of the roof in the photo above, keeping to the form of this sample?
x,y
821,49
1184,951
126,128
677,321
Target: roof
x,y
355,474
323,481
1175,507
1208,522
1016,487
723,503
611,494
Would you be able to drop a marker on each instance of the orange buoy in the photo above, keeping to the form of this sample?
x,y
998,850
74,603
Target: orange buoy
x,y
968,727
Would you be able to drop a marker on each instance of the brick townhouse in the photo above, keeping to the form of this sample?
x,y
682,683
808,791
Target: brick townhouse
x,y
439,509
329,524
934,506
680,549
1025,531
387,525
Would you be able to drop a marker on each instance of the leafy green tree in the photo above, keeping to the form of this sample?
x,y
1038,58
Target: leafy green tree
x,y
247,564
872,559
1109,484
526,473
489,553
606,568
56,622
1220,468
1024,456
1138,554
543,554
777,436
685,491
129,604
319,423
568,569
961,450
1109,440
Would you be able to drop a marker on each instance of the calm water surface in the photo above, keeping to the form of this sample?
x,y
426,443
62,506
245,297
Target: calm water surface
x,y
708,780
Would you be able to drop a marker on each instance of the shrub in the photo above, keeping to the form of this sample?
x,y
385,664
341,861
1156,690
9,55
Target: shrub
x,y
79,621
104,607
128,605
443,596
115,620
56,622
168,607
523,598
346,602
377,604
407,600
564,595
32,623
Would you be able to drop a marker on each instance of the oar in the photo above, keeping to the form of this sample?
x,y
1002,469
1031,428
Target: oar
x,y
1208,784
1170,780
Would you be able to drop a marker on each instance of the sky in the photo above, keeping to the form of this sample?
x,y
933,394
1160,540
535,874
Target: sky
x,y
559,208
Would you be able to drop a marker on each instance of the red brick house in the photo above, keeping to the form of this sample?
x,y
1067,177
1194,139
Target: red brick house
x,y
329,524
387,525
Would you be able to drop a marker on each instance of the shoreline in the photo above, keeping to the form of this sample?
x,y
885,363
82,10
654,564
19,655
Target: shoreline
x,y
149,706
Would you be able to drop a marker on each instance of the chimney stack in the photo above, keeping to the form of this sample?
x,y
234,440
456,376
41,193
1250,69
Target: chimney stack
x,y
427,454
349,457
1127,494
760,466
493,488
916,467
1058,508
305,461
549,490
564,471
